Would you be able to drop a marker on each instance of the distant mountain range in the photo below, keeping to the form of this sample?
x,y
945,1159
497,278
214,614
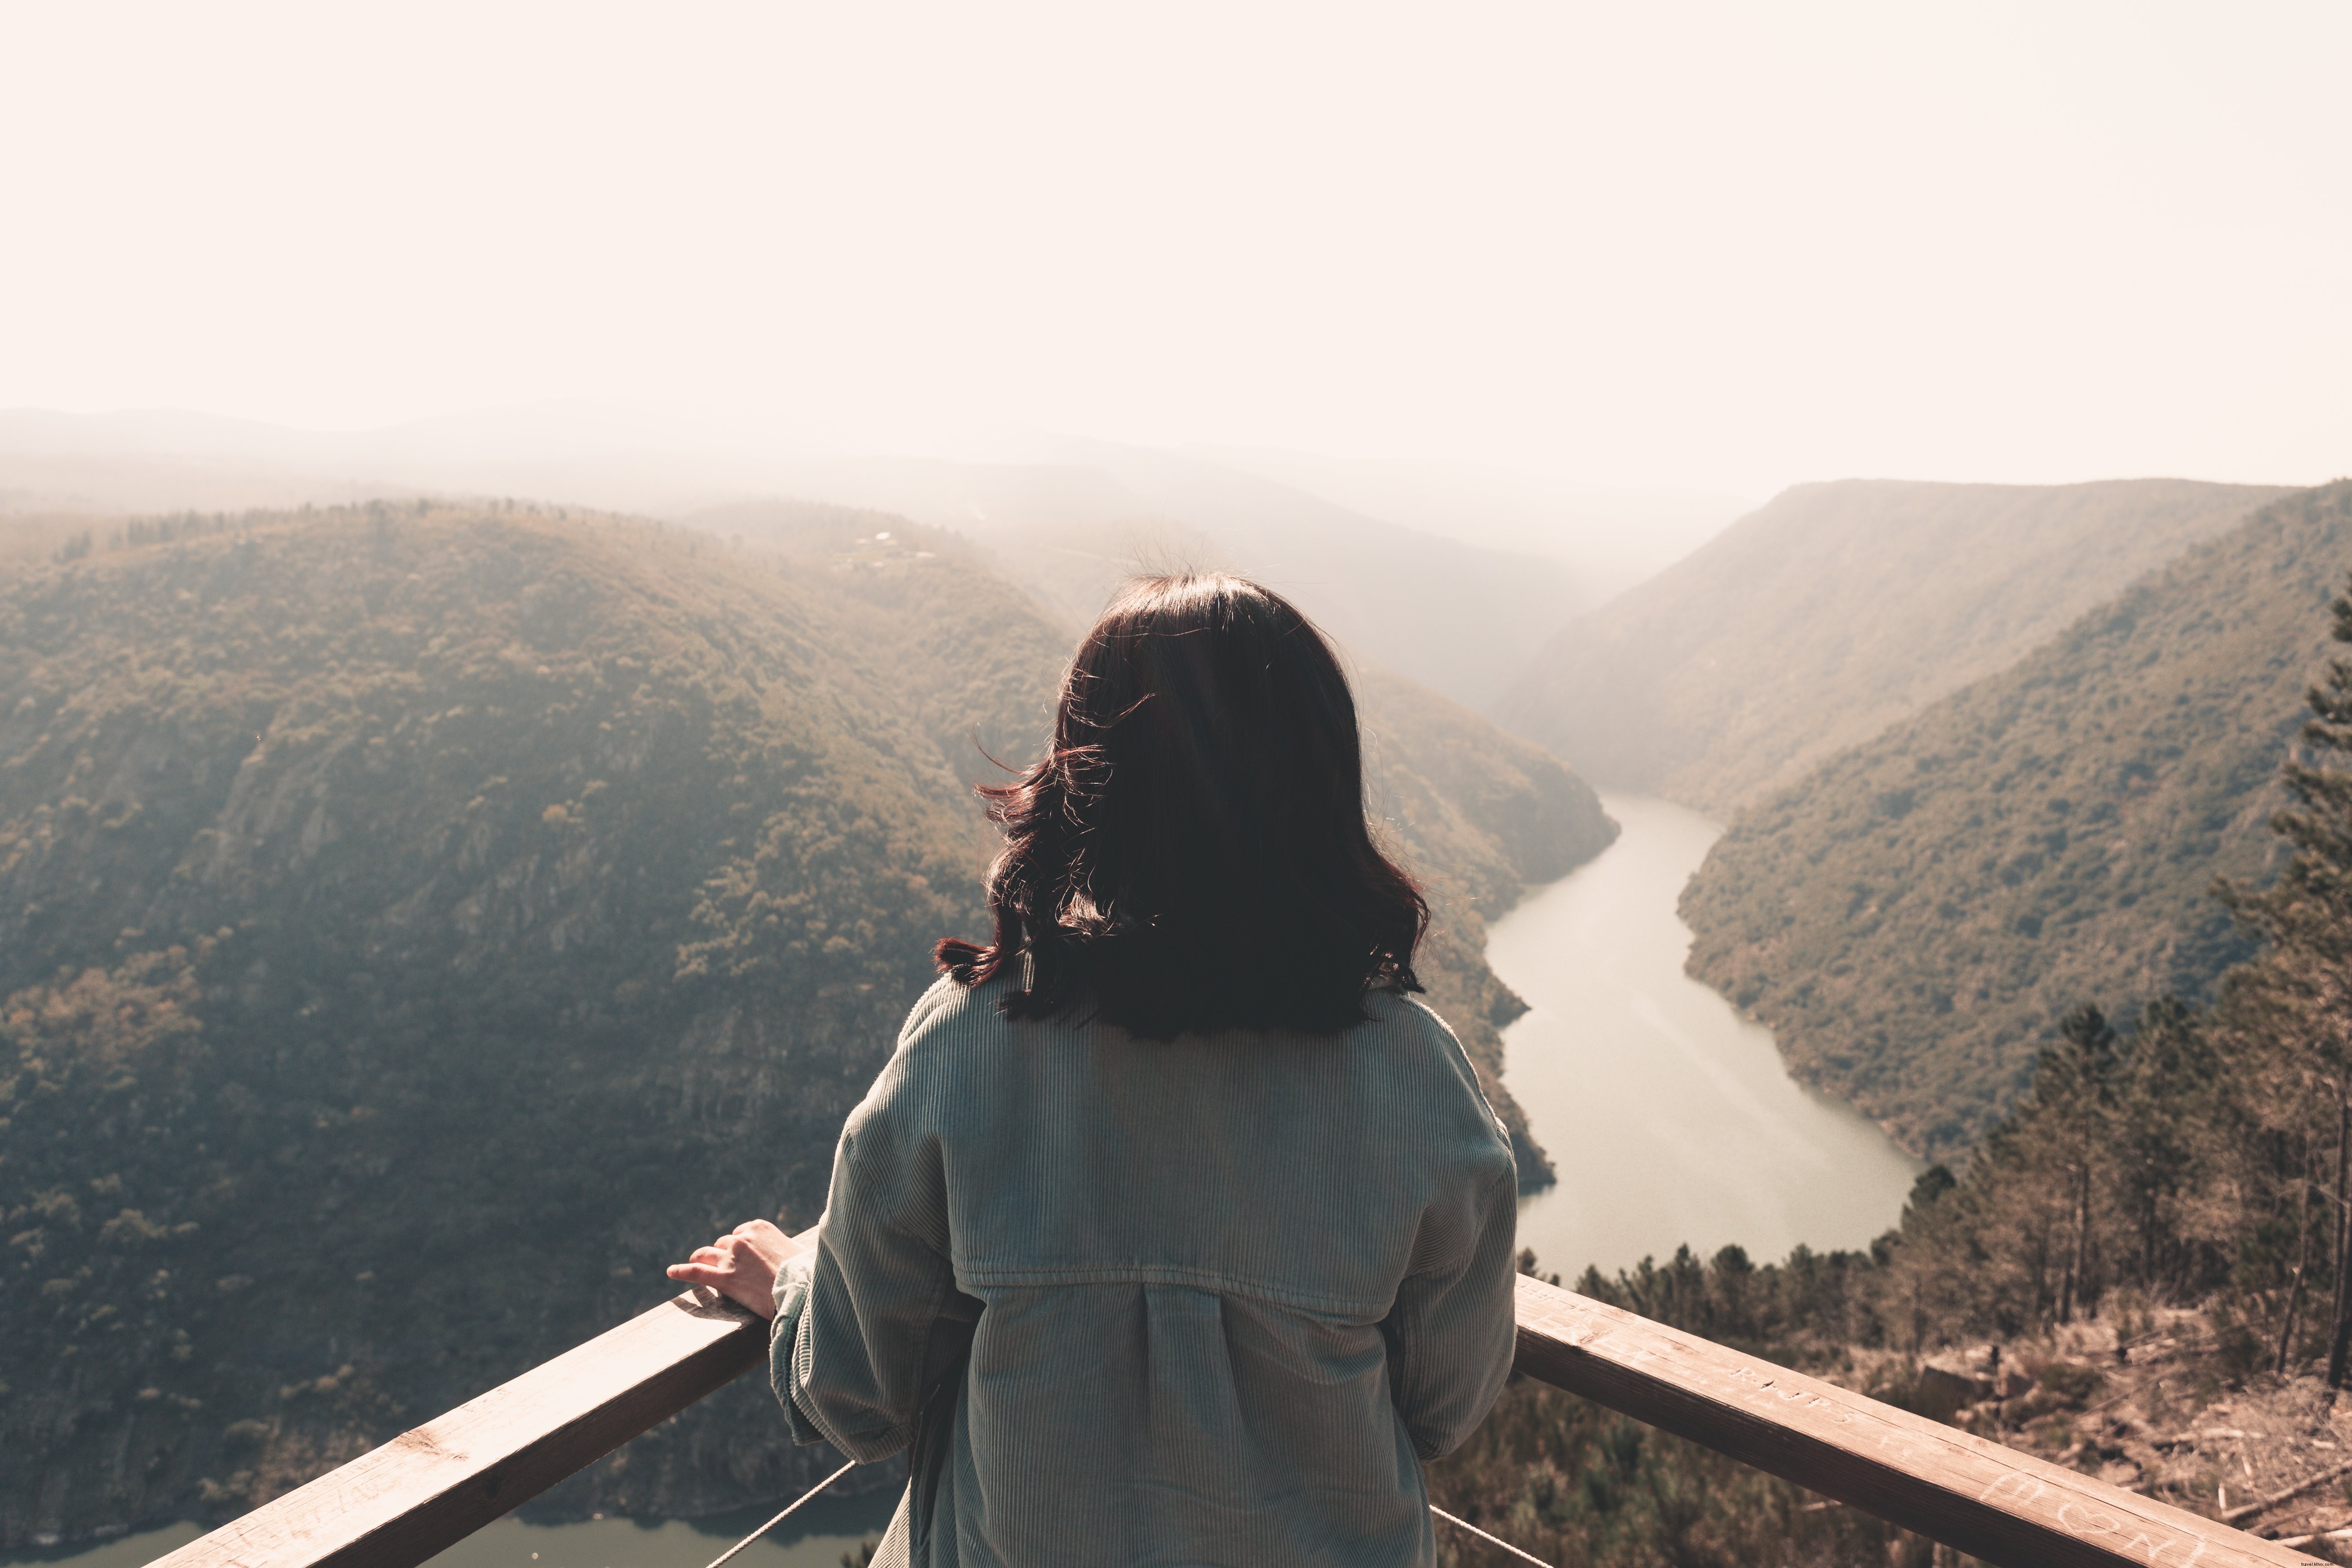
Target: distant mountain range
x,y
1913,917
1812,625
419,922
1455,594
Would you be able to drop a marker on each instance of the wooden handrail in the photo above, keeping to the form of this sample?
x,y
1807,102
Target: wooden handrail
x,y
1991,1501
429,1488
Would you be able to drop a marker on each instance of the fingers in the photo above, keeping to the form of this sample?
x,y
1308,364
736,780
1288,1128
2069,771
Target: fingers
x,y
725,1259
735,1287
707,1263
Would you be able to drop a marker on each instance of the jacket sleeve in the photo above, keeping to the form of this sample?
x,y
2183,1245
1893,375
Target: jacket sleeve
x,y
1452,1331
870,1319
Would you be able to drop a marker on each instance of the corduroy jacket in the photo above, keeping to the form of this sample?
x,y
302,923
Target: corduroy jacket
x,y
1207,1301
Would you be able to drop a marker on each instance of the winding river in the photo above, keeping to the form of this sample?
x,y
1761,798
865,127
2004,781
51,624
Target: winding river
x,y
1667,1115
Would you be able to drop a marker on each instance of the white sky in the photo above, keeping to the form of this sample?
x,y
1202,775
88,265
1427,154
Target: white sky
x,y
1728,246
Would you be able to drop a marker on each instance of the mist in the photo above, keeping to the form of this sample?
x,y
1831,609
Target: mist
x,y
1696,249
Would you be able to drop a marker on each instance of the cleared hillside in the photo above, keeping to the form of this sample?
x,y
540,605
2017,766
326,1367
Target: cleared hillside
x,y
416,925
1913,918
1812,624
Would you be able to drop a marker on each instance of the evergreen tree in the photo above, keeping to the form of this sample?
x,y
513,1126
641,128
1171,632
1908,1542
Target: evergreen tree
x,y
2304,982
2075,1081
2170,1138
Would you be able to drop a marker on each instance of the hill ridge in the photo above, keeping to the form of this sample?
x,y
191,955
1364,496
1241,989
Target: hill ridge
x,y
1834,610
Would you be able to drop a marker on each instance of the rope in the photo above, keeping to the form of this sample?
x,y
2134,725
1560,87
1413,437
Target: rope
x,y
722,1557
781,1517
1465,1524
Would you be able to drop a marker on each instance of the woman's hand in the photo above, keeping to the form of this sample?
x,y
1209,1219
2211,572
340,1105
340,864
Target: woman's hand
x,y
742,1265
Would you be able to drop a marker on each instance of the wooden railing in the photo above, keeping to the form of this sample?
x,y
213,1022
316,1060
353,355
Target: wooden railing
x,y
431,1486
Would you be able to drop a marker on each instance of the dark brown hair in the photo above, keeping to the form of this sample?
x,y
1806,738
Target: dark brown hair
x,y
1191,854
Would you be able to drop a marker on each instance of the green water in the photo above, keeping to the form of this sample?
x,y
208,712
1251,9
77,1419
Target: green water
x,y
122,1552
815,1537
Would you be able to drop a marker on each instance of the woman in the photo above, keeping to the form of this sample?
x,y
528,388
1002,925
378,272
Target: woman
x,y
1174,1231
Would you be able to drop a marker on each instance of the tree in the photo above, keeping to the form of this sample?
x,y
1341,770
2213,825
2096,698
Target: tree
x,y
2305,981
2074,1080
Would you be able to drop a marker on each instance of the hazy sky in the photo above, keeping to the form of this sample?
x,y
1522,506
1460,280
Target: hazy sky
x,y
1729,245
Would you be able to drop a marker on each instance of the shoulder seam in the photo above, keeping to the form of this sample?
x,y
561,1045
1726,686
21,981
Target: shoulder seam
x,y
928,1006
1461,1057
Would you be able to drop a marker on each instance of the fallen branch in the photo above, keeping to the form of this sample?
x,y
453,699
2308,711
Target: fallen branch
x,y
2233,1515
2295,1541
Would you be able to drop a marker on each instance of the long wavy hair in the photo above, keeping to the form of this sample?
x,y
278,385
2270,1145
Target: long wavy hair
x,y
1191,853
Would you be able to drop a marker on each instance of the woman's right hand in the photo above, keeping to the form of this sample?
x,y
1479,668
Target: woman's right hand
x,y
742,1265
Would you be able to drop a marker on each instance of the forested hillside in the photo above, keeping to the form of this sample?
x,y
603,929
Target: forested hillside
x,y
2140,1272
418,924
1812,625
1915,917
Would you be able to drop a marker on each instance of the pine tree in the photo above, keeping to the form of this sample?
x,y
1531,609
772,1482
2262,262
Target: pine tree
x,y
2076,1079
2163,1158
2306,979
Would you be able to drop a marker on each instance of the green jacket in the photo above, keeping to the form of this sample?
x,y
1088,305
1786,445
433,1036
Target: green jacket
x,y
1202,1302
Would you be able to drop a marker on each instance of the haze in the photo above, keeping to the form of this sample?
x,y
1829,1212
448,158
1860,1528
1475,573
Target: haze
x,y
1714,246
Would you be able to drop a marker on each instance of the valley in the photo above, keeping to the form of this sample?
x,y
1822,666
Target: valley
x,y
312,822
548,575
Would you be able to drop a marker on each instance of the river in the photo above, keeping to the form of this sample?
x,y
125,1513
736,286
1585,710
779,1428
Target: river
x,y
1667,1115
816,1536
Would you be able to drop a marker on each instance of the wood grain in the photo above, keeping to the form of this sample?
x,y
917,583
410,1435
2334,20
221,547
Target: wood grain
x,y
1991,1501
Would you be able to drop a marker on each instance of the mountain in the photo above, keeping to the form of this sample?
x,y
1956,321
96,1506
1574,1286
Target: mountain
x,y
1610,538
1454,615
1914,917
419,922
413,925
1812,624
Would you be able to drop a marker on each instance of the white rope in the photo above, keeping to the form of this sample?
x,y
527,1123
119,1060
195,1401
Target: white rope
x,y
786,1514
1465,1524
722,1557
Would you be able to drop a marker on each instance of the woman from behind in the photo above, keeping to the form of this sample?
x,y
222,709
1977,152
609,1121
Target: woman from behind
x,y
1175,1231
